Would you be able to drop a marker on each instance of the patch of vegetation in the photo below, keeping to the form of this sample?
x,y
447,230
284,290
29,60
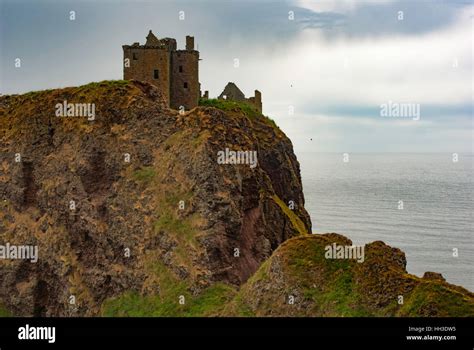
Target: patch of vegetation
x,y
294,219
106,83
90,86
240,307
169,220
338,298
37,93
434,298
170,223
327,283
207,303
107,89
211,301
246,108
228,105
181,228
327,287
165,304
4,312
144,175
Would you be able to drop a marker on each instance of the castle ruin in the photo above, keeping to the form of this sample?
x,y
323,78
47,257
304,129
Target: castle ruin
x,y
175,72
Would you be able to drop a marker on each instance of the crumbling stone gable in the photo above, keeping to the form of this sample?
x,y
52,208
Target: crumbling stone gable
x,y
233,93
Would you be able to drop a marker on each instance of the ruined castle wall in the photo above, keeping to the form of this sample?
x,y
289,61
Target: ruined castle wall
x,y
232,92
147,60
184,79
257,100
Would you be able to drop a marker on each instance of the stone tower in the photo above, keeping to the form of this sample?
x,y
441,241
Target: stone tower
x,y
174,72
185,89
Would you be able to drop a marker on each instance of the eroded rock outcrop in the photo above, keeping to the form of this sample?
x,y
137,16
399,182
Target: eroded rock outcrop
x,y
299,280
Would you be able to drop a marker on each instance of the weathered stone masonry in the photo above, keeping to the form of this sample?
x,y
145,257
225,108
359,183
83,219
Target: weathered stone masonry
x,y
174,72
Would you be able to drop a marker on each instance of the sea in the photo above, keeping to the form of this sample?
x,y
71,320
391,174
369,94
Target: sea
x,y
420,203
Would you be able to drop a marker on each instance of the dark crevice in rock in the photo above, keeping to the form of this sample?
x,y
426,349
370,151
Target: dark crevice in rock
x,y
40,297
94,177
30,188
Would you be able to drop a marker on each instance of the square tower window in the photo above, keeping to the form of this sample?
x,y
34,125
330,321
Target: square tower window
x,y
181,69
135,56
185,85
156,74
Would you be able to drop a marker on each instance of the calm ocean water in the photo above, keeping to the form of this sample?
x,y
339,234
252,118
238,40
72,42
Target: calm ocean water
x,y
360,200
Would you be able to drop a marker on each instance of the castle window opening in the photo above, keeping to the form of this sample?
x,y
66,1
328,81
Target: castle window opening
x,y
135,56
181,69
156,74
185,85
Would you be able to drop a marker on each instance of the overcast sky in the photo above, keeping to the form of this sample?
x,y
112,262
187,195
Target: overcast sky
x,y
334,64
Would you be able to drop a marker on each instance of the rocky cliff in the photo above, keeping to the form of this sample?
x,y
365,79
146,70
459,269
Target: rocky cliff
x,y
134,213
136,196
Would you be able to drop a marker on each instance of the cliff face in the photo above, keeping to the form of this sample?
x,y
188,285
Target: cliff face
x,y
135,202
